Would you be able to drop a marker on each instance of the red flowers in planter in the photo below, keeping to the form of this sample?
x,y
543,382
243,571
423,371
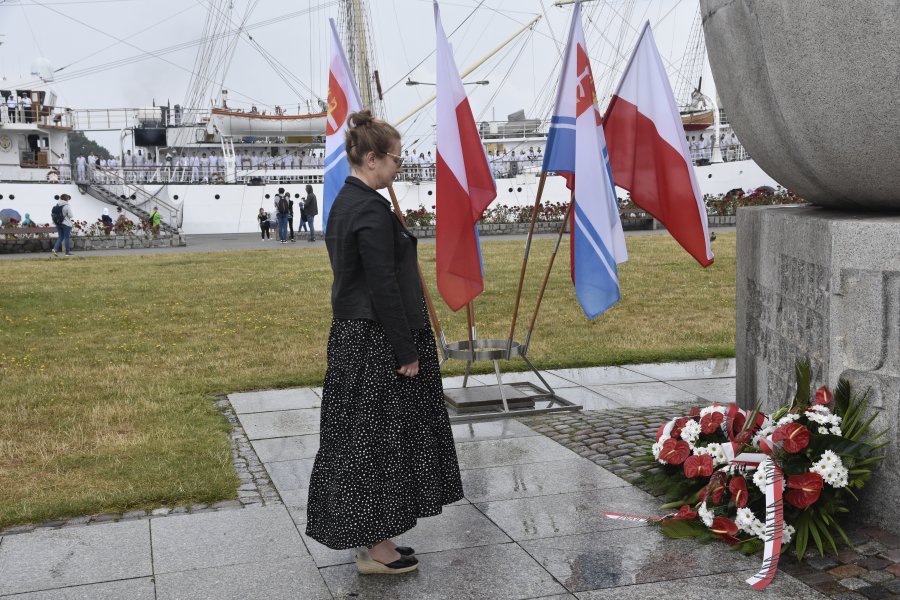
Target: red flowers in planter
x,y
804,489
823,396
738,488
710,422
724,527
698,466
793,436
674,451
685,513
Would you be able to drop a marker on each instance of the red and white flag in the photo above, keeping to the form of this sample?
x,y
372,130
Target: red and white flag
x,y
649,154
465,184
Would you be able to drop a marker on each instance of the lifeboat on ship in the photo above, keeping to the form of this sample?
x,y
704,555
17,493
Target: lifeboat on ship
x,y
238,123
697,120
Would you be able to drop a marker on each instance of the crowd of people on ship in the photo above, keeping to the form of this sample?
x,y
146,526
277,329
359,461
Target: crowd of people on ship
x,y
701,147
186,166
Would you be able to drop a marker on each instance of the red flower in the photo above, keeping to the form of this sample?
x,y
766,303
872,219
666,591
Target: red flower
x,y
738,488
723,526
804,489
698,466
685,513
716,487
743,437
710,422
659,431
823,396
794,437
694,412
674,451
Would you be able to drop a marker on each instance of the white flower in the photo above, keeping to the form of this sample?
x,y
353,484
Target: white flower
x,y
787,418
746,520
656,449
706,515
712,409
832,469
759,476
717,452
787,534
823,430
836,430
690,432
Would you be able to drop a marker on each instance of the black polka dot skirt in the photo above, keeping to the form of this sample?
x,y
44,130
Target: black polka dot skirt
x,y
386,454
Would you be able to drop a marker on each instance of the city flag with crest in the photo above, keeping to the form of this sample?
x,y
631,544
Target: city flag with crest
x,y
343,99
576,149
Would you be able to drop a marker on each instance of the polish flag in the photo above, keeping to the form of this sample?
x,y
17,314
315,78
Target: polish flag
x,y
465,184
343,99
649,154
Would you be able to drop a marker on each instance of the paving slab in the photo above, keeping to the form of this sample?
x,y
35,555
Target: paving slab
x,y
285,423
513,451
709,390
500,572
286,579
695,369
644,394
47,559
600,375
588,398
731,585
286,448
536,479
457,382
291,474
555,381
225,538
461,526
624,557
490,430
132,589
568,514
274,400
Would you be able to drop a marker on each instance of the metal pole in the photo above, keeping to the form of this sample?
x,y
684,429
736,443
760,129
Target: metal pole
x,y
477,64
435,322
534,212
540,297
470,319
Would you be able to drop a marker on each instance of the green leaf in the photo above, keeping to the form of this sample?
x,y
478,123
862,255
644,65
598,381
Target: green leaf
x,y
679,528
802,536
814,531
803,375
842,396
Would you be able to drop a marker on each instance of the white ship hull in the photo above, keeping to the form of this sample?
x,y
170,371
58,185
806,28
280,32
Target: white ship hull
x,y
232,208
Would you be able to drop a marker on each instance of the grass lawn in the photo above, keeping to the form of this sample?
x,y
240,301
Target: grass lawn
x,y
108,364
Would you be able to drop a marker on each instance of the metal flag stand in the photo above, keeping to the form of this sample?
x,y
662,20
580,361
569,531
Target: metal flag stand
x,y
475,404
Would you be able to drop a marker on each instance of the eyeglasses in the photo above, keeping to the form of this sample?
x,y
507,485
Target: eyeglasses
x,y
398,160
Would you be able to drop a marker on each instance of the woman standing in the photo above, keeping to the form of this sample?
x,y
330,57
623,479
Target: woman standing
x,y
386,455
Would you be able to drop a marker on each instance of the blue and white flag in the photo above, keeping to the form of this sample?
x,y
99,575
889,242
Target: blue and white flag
x,y
343,99
576,149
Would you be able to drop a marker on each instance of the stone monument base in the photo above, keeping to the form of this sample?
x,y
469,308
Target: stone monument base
x,y
824,285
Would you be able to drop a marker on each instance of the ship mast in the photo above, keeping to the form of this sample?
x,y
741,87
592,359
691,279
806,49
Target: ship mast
x,y
359,47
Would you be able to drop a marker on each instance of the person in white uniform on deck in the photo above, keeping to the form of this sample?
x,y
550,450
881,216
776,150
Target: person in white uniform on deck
x,y
195,167
65,173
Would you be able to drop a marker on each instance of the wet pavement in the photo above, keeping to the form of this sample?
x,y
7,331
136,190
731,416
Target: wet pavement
x,y
530,525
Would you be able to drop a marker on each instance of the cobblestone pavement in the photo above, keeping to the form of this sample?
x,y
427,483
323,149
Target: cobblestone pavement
x,y
616,438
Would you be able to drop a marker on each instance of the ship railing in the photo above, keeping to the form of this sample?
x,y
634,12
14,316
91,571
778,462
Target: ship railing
x,y
730,152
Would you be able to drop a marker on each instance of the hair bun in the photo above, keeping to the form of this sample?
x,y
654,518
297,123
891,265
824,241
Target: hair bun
x,y
363,117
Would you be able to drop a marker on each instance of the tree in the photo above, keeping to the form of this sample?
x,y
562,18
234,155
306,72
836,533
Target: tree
x,y
81,144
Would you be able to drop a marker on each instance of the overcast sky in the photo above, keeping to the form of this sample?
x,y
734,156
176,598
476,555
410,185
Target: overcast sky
x,y
81,38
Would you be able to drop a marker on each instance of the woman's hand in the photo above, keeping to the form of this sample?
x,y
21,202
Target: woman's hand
x,y
410,370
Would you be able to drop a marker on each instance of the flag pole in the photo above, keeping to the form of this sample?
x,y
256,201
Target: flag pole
x,y
435,322
534,212
470,319
540,297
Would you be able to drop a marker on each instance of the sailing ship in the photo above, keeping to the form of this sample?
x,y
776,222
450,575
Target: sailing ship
x,y
210,170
